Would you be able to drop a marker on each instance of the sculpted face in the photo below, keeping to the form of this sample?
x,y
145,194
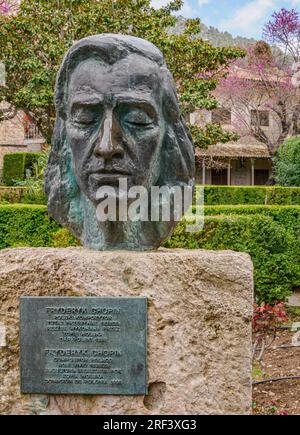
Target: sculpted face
x,y
114,123
117,116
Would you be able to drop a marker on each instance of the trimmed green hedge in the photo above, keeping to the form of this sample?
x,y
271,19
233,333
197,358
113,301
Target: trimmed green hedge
x,y
15,166
263,195
287,216
273,245
30,225
214,195
274,249
26,225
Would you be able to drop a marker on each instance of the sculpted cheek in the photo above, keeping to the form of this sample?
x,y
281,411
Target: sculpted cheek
x,y
79,142
77,134
150,136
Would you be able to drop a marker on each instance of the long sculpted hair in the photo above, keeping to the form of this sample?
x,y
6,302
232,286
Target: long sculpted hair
x,y
176,160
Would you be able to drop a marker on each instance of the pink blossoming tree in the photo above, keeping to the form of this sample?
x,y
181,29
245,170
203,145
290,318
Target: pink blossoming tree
x,y
284,30
261,94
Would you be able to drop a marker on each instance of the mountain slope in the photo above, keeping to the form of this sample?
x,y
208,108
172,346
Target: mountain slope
x,y
214,36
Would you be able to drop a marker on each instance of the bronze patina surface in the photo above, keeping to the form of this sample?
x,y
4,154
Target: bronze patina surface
x,y
117,117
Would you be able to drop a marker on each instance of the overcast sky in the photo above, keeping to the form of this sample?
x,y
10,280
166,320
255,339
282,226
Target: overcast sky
x,y
239,17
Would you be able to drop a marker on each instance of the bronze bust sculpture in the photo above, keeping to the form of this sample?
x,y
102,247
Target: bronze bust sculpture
x,y
117,118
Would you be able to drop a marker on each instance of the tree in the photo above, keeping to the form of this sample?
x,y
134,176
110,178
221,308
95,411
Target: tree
x,y
34,41
287,163
6,8
260,92
284,30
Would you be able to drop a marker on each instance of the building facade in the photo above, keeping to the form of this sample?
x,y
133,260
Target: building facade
x,y
248,160
19,134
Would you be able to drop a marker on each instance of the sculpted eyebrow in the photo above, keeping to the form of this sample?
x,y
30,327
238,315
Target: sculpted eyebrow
x,y
93,103
148,105
133,99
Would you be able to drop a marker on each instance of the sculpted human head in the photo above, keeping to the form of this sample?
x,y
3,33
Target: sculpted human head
x,y
117,117
115,126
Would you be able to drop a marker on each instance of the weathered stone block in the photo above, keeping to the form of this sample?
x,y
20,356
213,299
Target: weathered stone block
x,y
199,325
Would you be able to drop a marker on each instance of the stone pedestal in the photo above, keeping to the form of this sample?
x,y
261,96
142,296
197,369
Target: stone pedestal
x,y
199,325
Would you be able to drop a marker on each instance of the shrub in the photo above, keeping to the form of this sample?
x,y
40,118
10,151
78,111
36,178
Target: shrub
x,y
26,225
287,163
214,195
274,249
272,244
21,195
35,180
63,239
266,319
15,166
11,194
263,195
287,216
30,225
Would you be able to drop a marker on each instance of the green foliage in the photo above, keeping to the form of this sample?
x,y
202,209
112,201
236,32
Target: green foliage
x,y
211,134
35,179
26,225
13,195
274,249
33,44
273,195
63,239
30,225
271,238
286,216
257,374
214,195
287,163
15,166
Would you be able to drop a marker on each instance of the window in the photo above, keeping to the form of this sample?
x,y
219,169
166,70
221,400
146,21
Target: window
x,y
261,177
260,117
32,132
221,116
219,177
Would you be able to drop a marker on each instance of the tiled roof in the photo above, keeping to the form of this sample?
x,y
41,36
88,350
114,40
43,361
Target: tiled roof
x,y
249,149
247,74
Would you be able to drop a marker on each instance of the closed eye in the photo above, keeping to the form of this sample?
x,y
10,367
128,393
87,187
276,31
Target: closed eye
x,y
85,116
84,121
138,117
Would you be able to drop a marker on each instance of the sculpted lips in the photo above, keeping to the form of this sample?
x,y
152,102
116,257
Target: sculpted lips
x,y
104,174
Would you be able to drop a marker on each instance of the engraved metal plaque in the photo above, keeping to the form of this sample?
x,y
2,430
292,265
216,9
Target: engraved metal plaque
x,y
83,345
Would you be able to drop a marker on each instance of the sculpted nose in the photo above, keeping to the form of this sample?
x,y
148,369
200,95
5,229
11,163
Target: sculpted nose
x,y
107,145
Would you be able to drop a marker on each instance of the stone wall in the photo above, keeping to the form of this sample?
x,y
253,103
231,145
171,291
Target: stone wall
x,y
12,131
199,326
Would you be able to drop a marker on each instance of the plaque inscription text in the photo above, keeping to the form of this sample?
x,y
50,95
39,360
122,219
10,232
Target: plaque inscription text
x,y
83,345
